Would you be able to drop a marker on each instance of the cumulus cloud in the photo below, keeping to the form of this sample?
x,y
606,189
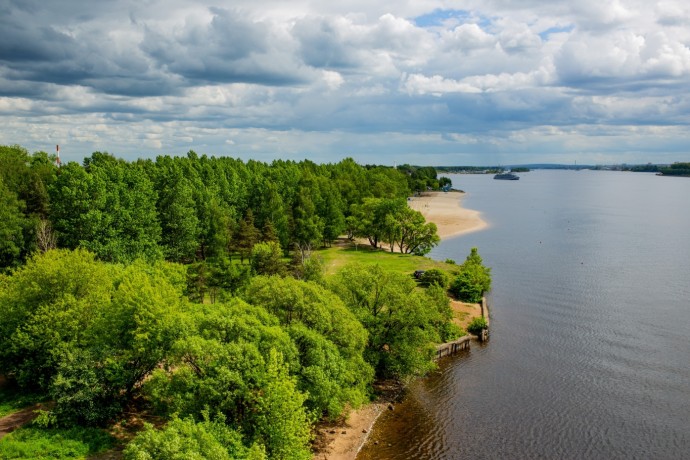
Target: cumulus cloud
x,y
266,78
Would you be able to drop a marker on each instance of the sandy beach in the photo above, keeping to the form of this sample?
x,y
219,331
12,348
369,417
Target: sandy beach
x,y
446,211
343,441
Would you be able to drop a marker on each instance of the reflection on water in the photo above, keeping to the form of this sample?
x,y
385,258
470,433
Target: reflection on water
x,y
588,355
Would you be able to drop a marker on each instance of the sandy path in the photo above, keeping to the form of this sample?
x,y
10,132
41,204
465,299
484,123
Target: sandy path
x,y
343,441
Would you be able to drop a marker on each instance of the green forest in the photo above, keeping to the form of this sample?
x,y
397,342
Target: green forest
x,y
676,169
190,289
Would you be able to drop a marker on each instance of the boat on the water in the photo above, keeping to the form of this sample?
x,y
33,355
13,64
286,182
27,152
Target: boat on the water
x,y
507,176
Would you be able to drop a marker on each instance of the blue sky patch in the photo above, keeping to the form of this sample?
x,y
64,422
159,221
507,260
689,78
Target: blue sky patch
x,y
438,17
556,30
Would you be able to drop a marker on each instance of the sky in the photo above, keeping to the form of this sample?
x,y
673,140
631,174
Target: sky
x,y
429,82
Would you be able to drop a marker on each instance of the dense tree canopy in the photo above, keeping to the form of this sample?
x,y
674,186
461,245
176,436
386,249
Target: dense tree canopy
x,y
237,355
402,322
192,208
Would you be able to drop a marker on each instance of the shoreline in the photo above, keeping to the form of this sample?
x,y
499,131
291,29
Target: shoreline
x,y
343,441
446,211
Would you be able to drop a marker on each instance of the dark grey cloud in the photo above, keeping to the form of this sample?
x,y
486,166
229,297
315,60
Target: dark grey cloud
x,y
231,48
320,44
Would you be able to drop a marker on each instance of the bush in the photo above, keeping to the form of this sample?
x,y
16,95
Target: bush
x,y
189,439
81,391
464,287
473,280
434,276
477,325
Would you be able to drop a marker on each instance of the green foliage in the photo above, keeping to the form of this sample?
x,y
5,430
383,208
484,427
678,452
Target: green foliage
x,y
82,391
247,235
308,225
473,280
466,287
393,222
281,421
436,277
375,220
314,306
12,224
437,298
105,321
24,180
444,182
231,278
179,221
328,336
146,312
311,269
87,333
230,362
477,325
401,326
183,439
420,177
108,207
330,378
49,305
266,259
677,169
39,443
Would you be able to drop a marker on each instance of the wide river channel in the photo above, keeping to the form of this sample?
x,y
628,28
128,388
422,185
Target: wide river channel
x,y
589,355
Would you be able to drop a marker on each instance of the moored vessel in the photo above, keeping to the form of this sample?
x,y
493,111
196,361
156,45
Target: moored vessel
x,y
507,176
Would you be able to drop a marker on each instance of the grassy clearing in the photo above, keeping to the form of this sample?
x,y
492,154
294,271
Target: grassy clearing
x,y
338,256
39,443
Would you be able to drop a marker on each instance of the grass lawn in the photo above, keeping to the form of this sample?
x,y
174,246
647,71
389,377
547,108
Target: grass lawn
x,y
39,443
336,257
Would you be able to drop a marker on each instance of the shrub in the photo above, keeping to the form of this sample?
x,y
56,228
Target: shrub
x,y
81,391
464,287
434,276
477,325
189,439
471,283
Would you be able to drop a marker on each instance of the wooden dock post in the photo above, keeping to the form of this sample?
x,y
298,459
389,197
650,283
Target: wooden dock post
x,y
450,348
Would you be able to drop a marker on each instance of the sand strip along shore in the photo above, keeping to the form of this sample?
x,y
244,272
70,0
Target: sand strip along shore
x,y
446,211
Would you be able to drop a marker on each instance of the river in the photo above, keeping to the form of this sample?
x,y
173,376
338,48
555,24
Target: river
x,y
589,355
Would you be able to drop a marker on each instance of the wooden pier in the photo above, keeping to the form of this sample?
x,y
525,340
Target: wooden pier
x,y
463,343
450,348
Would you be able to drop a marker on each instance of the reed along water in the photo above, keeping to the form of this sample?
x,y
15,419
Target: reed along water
x,y
589,355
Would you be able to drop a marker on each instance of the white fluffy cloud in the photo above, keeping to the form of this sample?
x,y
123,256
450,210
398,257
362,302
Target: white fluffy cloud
x,y
420,81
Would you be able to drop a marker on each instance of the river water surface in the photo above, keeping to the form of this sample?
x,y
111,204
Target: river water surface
x,y
589,354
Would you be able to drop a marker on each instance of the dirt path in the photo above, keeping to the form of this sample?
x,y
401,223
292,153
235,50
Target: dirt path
x,y
11,422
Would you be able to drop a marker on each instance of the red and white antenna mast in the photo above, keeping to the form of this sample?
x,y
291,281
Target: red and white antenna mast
x,y
57,159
